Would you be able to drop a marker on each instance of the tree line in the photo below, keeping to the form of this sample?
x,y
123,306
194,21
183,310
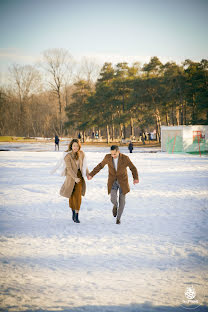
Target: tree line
x,y
115,101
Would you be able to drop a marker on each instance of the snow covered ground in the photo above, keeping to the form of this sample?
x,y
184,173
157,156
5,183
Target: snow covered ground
x,y
49,263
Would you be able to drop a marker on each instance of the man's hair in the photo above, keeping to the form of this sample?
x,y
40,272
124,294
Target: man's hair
x,y
114,147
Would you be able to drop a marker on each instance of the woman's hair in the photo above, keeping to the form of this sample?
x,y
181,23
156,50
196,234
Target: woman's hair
x,y
76,155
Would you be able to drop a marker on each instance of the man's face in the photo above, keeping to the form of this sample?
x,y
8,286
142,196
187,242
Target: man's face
x,y
115,153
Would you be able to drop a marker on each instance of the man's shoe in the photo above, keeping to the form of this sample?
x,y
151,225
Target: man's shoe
x,y
76,218
118,221
114,210
73,215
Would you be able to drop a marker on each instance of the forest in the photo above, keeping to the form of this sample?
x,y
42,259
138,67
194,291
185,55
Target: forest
x,y
57,97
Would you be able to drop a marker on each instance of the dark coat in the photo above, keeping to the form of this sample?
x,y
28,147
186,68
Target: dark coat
x,y
130,147
120,174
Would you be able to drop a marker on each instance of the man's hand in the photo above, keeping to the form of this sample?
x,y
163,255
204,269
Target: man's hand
x,y
77,180
136,181
89,177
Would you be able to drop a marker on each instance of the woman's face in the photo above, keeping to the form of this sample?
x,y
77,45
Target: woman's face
x,y
75,147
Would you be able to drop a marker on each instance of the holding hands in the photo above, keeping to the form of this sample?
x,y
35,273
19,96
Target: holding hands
x,y
89,177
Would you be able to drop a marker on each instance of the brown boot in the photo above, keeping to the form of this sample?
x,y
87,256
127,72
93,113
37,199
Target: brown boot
x,y
118,221
114,211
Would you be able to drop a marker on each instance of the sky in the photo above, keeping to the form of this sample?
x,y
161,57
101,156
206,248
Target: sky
x,y
113,31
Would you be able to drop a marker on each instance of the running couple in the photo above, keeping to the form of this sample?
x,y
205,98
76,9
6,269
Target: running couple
x,y
74,186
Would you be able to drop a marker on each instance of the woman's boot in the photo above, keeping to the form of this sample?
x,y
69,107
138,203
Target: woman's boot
x,y
77,218
73,215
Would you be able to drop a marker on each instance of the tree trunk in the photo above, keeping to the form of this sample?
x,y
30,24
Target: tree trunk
x,y
99,133
83,136
158,125
107,134
132,126
172,116
194,114
124,131
66,96
121,131
184,113
60,113
113,132
181,116
124,126
167,119
178,116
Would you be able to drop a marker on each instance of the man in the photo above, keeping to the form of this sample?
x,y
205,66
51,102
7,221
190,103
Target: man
x,y
56,142
117,178
130,147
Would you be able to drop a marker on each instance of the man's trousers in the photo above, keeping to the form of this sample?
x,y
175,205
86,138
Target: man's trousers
x,y
114,199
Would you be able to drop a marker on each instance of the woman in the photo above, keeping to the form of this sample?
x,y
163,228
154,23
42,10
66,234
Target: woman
x,y
74,186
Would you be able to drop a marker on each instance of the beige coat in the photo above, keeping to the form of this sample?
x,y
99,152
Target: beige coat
x,y
71,175
121,173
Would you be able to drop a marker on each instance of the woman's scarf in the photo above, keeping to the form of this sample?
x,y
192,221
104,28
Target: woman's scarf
x,y
61,166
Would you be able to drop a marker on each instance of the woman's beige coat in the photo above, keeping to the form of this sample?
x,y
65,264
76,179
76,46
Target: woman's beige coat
x,y
71,175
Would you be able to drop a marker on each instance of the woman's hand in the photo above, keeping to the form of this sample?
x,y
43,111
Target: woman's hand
x,y
77,180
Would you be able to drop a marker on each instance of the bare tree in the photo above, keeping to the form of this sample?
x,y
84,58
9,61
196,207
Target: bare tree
x,y
58,64
26,81
88,70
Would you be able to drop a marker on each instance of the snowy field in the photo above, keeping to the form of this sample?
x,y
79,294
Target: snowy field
x,y
49,263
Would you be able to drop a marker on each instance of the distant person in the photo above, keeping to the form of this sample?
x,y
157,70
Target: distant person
x,y
79,136
56,142
143,141
117,178
130,147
